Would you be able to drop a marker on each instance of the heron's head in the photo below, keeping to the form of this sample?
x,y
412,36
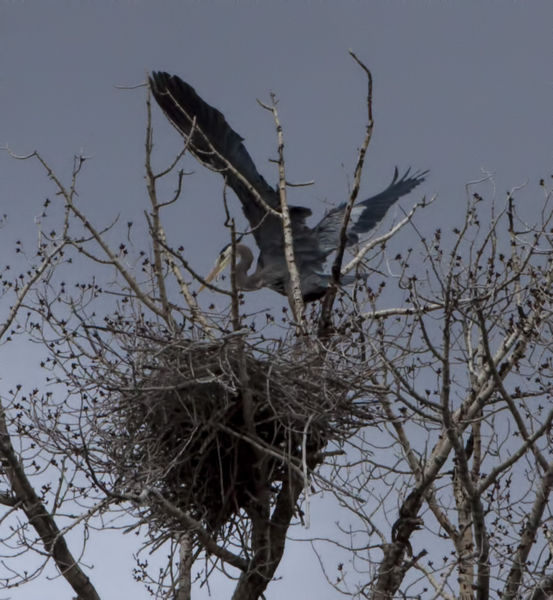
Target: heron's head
x,y
222,262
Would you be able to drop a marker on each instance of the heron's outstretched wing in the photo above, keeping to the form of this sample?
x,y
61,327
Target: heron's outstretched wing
x,y
216,145
366,214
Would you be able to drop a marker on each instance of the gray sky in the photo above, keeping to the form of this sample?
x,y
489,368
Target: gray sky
x,y
459,87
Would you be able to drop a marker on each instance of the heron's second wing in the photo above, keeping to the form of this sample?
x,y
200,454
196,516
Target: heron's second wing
x,y
366,214
216,145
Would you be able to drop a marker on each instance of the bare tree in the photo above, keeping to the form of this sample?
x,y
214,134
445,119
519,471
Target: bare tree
x,y
39,532
420,400
456,495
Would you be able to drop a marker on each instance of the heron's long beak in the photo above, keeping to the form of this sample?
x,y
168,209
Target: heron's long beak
x,y
221,264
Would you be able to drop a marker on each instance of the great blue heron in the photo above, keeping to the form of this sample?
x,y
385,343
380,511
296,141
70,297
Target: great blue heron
x,y
217,146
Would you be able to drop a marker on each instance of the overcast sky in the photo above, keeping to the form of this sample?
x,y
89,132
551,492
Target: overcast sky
x,y
460,87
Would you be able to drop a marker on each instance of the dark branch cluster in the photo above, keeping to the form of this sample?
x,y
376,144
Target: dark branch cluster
x,y
217,427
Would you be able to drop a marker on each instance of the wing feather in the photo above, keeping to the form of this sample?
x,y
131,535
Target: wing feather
x,y
184,107
366,214
216,145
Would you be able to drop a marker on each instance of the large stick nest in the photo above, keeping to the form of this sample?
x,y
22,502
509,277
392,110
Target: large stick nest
x,y
213,426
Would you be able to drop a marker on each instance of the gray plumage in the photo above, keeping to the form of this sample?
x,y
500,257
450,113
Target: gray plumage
x,y
216,145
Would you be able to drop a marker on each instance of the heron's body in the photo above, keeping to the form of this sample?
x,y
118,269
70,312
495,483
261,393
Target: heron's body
x,y
216,145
